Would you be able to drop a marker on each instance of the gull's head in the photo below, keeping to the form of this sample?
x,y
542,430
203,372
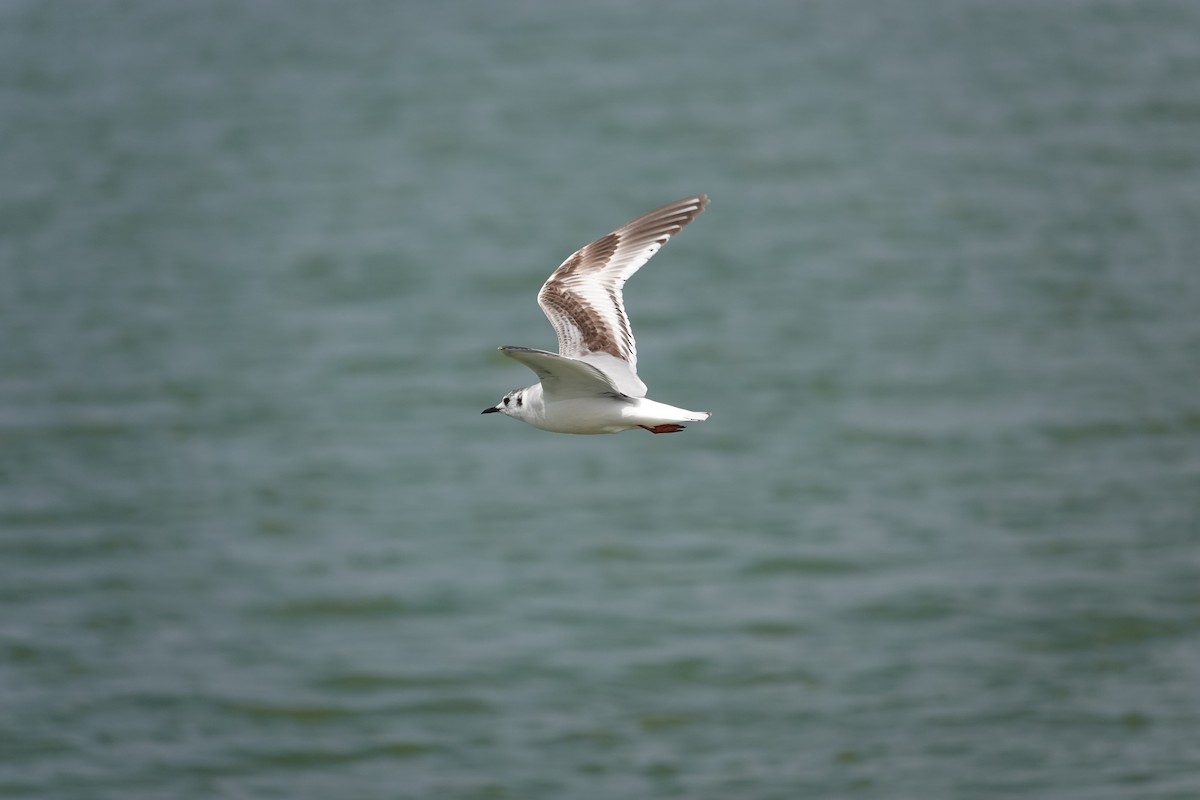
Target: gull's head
x,y
513,405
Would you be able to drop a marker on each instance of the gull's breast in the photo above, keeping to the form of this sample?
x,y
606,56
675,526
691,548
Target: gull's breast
x,y
586,415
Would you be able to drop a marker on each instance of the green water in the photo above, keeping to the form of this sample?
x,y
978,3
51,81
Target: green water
x,y
940,538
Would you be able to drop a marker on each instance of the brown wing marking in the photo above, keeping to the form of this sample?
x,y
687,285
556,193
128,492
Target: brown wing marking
x,y
593,331
595,335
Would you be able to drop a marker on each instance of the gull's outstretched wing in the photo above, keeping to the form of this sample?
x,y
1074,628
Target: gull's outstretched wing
x,y
563,378
583,301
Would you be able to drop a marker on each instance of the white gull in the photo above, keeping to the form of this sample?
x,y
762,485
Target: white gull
x,y
591,385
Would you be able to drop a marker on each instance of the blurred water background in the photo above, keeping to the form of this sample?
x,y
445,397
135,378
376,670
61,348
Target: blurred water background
x,y
940,539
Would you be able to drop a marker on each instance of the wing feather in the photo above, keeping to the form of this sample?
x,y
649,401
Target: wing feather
x,y
583,298
563,378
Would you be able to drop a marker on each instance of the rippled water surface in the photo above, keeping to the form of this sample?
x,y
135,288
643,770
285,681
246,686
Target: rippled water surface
x,y
941,537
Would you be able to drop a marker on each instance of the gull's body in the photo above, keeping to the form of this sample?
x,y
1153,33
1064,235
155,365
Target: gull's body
x,y
591,385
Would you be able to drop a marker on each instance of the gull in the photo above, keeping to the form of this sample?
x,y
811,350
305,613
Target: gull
x,y
591,385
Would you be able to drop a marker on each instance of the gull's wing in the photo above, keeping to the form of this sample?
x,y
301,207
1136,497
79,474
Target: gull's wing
x,y
583,301
563,378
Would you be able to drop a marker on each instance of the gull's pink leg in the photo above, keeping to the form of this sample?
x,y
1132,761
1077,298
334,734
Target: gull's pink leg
x,y
670,427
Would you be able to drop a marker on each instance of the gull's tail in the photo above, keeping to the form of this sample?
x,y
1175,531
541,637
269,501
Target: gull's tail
x,y
651,413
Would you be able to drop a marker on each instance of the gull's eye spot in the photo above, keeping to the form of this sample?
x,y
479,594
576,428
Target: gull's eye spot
x,y
506,400
520,401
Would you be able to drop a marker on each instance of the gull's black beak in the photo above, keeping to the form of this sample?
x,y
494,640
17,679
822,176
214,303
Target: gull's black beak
x,y
492,410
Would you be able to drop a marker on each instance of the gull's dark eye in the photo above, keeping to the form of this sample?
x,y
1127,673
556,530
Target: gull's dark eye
x,y
506,401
